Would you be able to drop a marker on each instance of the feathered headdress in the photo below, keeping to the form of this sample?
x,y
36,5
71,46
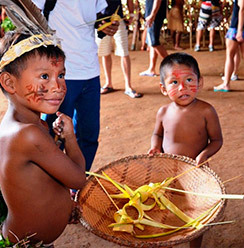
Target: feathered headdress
x,y
29,21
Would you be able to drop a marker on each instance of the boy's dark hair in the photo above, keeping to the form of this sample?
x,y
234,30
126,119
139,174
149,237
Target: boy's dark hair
x,y
19,64
181,59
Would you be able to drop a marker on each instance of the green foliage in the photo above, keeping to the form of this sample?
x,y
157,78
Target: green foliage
x,y
7,25
4,242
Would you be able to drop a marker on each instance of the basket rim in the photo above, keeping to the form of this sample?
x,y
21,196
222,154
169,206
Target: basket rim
x,y
142,242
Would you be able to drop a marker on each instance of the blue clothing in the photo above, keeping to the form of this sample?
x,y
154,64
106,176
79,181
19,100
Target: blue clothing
x,y
82,103
231,34
235,13
153,33
232,31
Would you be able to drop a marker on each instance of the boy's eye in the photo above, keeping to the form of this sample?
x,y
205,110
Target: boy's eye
x,y
61,76
189,80
44,76
174,82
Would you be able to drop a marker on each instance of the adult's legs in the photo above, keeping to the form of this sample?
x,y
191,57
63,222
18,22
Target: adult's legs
x,y
231,48
237,61
153,37
104,51
107,67
154,51
152,61
161,50
143,39
121,42
126,68
87,119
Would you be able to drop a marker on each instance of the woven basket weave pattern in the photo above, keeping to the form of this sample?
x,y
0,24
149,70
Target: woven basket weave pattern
x,y
135,171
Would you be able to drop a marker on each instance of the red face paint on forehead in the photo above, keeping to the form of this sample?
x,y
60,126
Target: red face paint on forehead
x,y
56,61
182,72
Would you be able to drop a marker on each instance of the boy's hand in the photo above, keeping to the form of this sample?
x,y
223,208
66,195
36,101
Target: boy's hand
x,y
153,151
201,158
63,126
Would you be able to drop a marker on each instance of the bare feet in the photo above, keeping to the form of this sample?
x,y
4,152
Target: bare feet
x,y
222,88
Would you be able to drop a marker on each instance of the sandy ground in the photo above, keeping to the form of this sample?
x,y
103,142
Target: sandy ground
x,y
127,125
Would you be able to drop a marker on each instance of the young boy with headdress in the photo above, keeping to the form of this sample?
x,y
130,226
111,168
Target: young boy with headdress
x,y
35,175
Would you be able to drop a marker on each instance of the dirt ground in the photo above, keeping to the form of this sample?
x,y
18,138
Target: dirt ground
x,y
127,125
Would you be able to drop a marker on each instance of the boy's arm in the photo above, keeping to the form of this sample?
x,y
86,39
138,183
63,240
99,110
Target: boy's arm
x,y
214,135
63,127
40,149
157,136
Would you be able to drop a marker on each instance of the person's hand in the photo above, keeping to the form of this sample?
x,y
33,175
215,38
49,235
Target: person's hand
x,y
63,126
111,29
153,151
239,37
149,20
201,158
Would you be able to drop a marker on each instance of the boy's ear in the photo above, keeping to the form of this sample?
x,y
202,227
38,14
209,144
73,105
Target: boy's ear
x,y
200,83
163,89
7,82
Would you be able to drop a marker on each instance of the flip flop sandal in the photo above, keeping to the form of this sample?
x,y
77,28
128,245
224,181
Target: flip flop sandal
x,y
106,90
133,94
144,73
221,90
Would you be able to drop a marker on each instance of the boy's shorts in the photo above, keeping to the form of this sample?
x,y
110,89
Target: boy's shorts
x,y
209,16
231,34
105,45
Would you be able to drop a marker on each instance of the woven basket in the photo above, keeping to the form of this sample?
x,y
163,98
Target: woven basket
x,y
135,171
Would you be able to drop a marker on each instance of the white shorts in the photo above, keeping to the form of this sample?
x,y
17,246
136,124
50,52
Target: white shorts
x,y
105,45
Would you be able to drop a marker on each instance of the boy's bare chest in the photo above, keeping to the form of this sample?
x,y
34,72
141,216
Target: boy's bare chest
x,y
184,123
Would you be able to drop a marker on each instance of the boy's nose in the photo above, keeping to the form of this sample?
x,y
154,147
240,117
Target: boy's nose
x,y
55,86
182,86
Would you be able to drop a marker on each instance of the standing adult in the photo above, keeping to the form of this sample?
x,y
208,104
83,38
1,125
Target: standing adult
x,y
234,41
105,46
155,14
74,24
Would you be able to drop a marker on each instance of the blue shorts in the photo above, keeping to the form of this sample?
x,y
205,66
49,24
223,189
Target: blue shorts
x,y
153,33
231,34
